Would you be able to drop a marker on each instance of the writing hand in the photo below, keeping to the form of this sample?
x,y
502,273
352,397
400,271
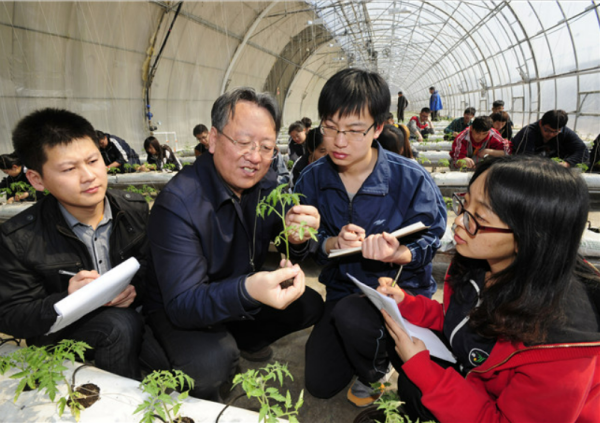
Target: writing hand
x,y
350,236
81,279
385,287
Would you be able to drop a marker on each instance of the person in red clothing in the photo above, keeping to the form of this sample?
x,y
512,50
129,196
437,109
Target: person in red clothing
x,y
478,142
520,311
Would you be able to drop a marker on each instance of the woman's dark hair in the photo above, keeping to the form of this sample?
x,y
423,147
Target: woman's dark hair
x,y
296,126
350,91
395,140
151,141
546,205
314,139
482,124
47,128
7,161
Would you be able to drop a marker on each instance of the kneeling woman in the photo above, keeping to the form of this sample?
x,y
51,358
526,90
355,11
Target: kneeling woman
x,y
160,155
518,312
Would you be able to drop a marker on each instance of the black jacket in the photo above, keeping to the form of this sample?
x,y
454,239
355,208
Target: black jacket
x,y
37,243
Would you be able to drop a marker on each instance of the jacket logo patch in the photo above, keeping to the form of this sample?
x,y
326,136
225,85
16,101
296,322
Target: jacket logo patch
x,y
477,356
379,222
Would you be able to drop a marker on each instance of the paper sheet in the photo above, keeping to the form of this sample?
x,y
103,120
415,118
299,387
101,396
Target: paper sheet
x,y
435,346
410,229
94,295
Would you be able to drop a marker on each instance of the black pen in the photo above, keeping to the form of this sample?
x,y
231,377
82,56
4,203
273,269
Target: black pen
x,y
64,272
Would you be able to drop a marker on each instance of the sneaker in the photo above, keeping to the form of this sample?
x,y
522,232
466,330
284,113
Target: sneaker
x,y
259,356
362,395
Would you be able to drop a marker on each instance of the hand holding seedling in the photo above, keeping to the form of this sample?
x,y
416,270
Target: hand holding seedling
x,y
386,287
302,217
81,279
469,163
265,286
405,348
350,236
385,247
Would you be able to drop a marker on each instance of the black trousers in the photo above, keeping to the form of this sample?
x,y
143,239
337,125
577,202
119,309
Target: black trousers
x,y
350,339
210,355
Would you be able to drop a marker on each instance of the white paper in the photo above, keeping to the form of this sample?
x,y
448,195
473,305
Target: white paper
x,y
435,346
410,229
94,295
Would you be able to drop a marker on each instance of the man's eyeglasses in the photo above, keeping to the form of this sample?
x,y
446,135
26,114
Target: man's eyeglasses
x,y
551,130
469,221
356,136
265,149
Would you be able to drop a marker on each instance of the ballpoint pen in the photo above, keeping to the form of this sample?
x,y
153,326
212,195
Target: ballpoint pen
x,y
64,272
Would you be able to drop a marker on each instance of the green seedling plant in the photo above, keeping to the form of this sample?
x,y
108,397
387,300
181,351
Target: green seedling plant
x,y
42,368
390,403
461,164
113,170
144,191
557,160
127,167
423,160
273,405
290,164
584,168
444,163
448,202
157,385
20,188
276,202
169,166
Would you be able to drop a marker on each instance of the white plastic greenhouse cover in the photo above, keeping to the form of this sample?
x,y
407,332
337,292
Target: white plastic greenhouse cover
x,y
113,62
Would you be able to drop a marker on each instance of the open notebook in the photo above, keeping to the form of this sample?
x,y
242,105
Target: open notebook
x,y
94,295
410,229
435,346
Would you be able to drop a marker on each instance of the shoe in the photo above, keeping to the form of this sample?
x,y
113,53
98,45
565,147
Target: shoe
x,y
362,395
259,356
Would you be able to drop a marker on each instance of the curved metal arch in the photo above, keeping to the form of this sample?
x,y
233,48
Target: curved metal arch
x,y
242,45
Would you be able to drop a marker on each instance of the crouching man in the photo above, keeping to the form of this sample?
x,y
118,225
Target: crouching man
x,y
80,228
209,300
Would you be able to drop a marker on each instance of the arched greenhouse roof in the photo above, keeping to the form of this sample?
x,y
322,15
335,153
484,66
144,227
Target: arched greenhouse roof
x,y
114,62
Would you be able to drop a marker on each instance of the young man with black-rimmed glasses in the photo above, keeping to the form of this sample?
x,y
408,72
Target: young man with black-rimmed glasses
x,y
363,193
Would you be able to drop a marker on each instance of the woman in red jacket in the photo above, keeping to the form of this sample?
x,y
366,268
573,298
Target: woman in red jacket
x,y
520,309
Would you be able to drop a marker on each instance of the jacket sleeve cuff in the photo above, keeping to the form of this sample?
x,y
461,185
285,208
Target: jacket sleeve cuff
x,y
249,303
422,371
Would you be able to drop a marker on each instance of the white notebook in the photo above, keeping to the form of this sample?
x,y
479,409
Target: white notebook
x,y
410,229
94,295
435,346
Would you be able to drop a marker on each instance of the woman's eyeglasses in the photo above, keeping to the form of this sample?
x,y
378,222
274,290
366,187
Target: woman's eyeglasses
x,y
469,221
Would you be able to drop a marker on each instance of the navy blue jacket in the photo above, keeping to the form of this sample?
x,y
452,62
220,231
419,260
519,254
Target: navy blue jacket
x,y
566,145
398,192
204,242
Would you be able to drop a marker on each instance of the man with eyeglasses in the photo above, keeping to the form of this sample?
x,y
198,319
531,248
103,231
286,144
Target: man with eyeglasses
x,y
363,193
208,298
550,137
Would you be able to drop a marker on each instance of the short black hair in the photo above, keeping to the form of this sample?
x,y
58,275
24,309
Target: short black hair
x,y
500,117
307,122
425,110
555,119
47,128
482,124
314,138
100,134
399,92
390,116
224,107
470,111
200,129
296,126
432,88
498,103
7,161
350,91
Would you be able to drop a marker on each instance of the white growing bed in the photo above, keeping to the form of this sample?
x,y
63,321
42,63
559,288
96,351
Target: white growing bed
x,y
119,397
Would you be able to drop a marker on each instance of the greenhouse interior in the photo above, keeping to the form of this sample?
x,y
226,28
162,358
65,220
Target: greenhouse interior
x,y
149,78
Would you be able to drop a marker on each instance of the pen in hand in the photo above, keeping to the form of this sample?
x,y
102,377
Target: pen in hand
x,y
397,276
64,272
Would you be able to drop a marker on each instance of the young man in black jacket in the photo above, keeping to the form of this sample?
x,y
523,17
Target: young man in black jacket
x,y
80,228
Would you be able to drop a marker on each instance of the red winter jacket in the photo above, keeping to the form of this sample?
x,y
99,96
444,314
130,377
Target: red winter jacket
x,y
543,383
463,147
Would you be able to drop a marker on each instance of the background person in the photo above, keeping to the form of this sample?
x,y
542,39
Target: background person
x,y
507,130
459,124
160,155
518,308
500,121
402,105
11,165
478,142
315,150
297,132
116,152
420,127
201,134
395,139
549,137
435,103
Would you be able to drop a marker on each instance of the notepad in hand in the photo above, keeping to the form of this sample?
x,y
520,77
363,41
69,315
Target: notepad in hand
x,y
94,295
435,346
408,230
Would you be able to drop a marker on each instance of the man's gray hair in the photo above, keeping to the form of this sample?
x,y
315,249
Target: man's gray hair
x,y
224,106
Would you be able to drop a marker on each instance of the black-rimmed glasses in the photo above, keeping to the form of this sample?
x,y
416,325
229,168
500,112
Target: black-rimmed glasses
x,y
469,221
356,136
